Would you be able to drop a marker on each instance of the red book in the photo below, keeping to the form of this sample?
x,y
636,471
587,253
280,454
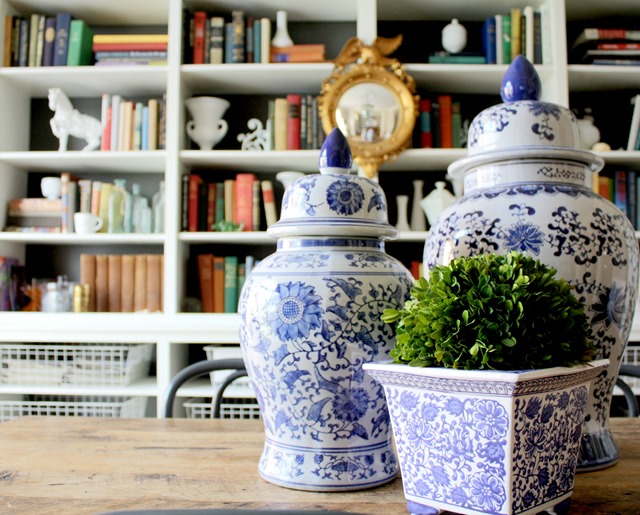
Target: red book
x,y
125,47
194,185
244,200
446,127
205,278
211,205
426,138
199,31
293,122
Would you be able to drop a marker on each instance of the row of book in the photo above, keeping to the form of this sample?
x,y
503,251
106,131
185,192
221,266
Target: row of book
x,y
129,125
220,279
506,35
440,123
622,188
240,38
606,46
294,123
230,204
123,283
633,142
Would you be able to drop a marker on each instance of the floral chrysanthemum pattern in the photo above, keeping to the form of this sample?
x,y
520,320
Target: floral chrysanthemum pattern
x,y
454,448
345,197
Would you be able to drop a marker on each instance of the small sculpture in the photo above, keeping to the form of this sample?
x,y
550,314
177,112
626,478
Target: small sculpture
x,y
68,121
258,139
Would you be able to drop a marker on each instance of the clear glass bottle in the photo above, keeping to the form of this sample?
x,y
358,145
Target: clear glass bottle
x,y
115,216
158,210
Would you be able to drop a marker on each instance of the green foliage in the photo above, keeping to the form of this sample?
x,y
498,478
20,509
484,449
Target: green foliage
x,y
490,311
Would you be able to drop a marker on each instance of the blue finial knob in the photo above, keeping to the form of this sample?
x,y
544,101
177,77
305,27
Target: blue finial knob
x,y
520,82
335,154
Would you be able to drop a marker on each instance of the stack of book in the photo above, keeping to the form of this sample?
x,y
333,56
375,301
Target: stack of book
x,y
123,283
208,205
130,49
440,123
220,279
34,215
618,47
311,53
42,40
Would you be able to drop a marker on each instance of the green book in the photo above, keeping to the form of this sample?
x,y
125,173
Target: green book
x,y
231,284
80,52
456,124
506,39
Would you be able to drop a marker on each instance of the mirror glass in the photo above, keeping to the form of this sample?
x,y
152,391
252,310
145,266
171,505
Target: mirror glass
x,y
368,113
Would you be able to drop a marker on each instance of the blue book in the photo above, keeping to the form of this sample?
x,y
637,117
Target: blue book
x,y
228,43
489,39
49,40
144,144
257,41
61,43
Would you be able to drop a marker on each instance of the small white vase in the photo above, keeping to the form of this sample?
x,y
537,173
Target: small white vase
x,y
207,127
281,37
589,133
437,201
402,224
418,221
454,37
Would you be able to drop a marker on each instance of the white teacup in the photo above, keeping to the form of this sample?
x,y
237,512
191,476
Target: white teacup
x,y
51,187
87,223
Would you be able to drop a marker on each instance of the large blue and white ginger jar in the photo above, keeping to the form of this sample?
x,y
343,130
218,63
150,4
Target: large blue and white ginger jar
x,y
310,318
528,187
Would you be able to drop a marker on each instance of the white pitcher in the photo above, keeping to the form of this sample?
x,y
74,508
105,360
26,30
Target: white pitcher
x,y
207,127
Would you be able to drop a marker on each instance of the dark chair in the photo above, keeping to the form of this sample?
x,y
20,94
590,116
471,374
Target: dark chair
x,y
633,409
199,369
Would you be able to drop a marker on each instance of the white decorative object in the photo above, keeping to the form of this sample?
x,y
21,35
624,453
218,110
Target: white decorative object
x,y
454,37
281,37
437,201
207,127
288,177
68,121
51,187
418,221
86,223
310,317
258,139
486,441
589,133
402,222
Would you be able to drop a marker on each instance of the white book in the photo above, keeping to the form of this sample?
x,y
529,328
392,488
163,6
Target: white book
x,y
115,121
528,50
635,123
499,42
265,36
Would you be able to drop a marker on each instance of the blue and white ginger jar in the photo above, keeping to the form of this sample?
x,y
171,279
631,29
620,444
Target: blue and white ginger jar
x,y
528,187
310,318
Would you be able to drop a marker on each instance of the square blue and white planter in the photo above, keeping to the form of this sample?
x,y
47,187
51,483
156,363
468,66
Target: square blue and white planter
x,y
486,442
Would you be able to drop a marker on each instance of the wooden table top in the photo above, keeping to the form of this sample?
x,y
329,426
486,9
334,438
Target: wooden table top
x,y
67,465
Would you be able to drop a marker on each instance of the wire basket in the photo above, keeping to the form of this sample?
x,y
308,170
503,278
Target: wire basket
x,y
80,364
241,388
237,408
73,406
631,356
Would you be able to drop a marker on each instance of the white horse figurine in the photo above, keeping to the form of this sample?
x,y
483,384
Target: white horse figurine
x,y
69,121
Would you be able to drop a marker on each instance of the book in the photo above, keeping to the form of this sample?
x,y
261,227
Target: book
x,y
35,206
114,143
265,41
122,47
445,125
499,51
489,39
61,43
244,200
33,36
281,114
635,123
462,58
506,38
140,283
154,283
248,39
80,52
293,121
632,198
205,280
40,40
516,30
194,200
84,188
269,202
211,206
426,139
114,280
216,40
218,284
8,29
219,217
592,34
528,49
105,120
102,283
68,192
229,200
238,36
152,131
88,276
127,286
96,186
309,53
257,40
620,190
456,125
23,44
131,38
537,37
230,284
200,21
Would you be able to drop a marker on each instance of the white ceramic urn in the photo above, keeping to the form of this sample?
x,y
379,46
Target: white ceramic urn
x,y
207,126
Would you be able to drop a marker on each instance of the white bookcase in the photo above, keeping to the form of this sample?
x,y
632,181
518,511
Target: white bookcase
x,y
172,330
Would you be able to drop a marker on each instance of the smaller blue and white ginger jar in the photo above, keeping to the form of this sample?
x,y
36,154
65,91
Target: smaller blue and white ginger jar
x,y
310,318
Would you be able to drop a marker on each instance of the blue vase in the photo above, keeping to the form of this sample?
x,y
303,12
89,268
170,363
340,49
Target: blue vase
x,y
310,318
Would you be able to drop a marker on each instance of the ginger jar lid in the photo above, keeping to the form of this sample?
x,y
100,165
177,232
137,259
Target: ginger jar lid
x,y
334,202
523,126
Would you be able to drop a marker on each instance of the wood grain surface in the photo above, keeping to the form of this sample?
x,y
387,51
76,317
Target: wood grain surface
x,y
58,465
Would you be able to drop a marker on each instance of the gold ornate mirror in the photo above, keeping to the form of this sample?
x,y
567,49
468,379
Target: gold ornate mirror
x,y
372,100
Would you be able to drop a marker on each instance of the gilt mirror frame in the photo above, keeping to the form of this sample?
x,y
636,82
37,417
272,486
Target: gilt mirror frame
x,y
364,78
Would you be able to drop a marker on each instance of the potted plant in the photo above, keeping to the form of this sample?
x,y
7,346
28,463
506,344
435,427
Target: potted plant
x,y
488,386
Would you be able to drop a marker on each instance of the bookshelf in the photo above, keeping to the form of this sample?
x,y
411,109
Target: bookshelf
x,y
173,330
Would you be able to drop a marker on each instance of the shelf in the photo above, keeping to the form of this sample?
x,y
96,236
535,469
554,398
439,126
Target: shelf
x,y
146,387
602,78
243,238
86,162
82,239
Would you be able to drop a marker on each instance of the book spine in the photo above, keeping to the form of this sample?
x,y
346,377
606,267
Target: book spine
x,y
293,121
506,38
281,123
265,42
152,142
88,276
528,50
230,284
8,29
257,40
229,197
84,185
216,40
244,200
238,48
61,45
184,220
219,202
248,39
136,143
269,202
621,191
121,47
211,206
114,281
144,128
202,206
127,286
154,283
537,37
489,39
102,283
116,100
516,19
140,283
426,138
199,23
40,41
80,51
304,121
205,279
499,41
255,205
446,134
456,125
194,184
33,37
218,284
635,123
23,52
